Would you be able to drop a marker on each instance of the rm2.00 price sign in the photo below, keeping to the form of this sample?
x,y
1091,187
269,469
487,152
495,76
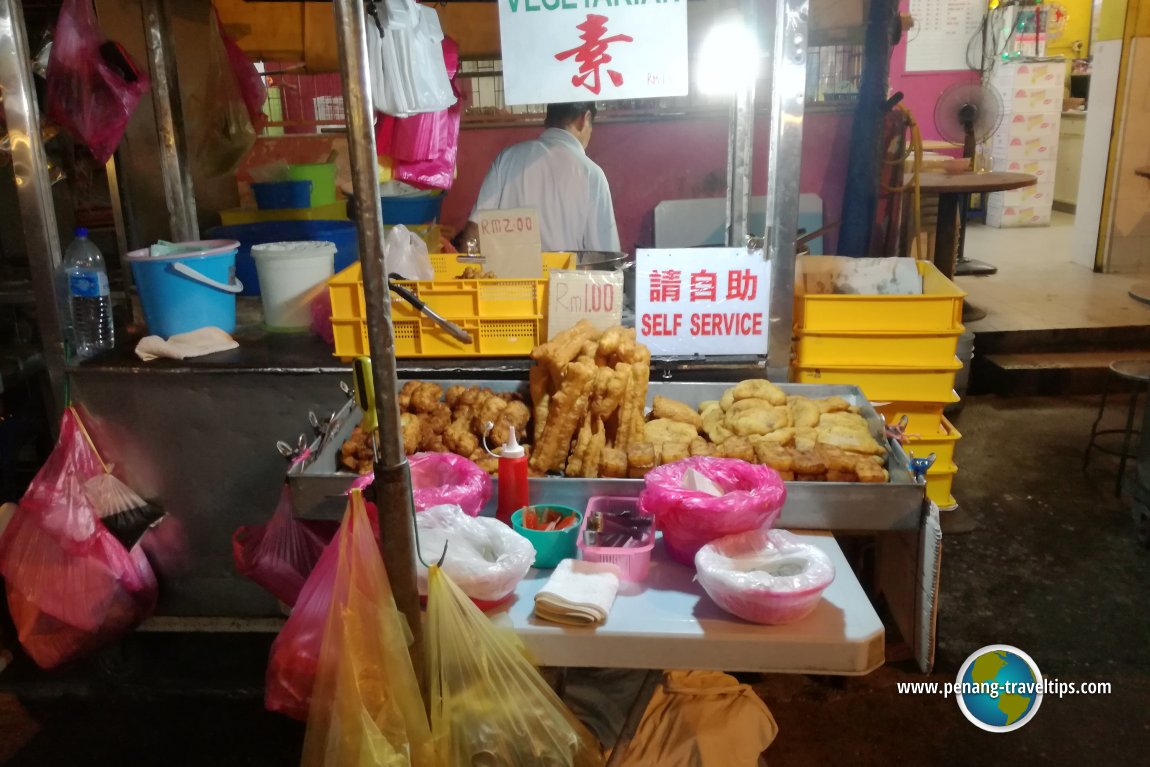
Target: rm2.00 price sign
x,y
702,301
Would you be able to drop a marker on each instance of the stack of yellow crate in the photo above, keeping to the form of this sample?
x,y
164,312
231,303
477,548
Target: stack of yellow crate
x,y
900,350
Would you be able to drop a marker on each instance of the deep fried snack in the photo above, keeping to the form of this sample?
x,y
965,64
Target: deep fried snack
x,y
487,463
869,471
537,383
589,350
509,396
832,404
459,438
759,388
665,430
613,463
628,350
664,407
452,395
806,439
564,347
707,404
756,416
784,437
804,412
737,447
579,451
425,397
430,438
610,388
405,393
669,452
777,457
700,446
641,458
609,345
727,400
854,440
714,426
515,415
565,415
595,450
839,475
473,396
810,463
489,411
542,411
411,426
634,401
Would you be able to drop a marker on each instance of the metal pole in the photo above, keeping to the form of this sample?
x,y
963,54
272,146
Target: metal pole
x,y
740,149
392,476
178,192
784,158
33,186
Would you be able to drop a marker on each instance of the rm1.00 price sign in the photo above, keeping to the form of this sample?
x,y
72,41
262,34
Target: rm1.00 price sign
x,y
702,301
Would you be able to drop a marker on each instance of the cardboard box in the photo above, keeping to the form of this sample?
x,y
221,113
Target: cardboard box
x,y
1043,170
594,296
1028,197
1029,74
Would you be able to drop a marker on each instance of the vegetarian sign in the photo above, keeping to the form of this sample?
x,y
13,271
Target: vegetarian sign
x,y
704,301
592,50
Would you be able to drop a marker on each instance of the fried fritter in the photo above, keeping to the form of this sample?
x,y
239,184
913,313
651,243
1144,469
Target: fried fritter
x,y
595,450
411,426
405,393
664,407
452,395
832,404
665,430
613,463
777,457
714,426
700,446
565,415
784,437
737,447
459,438
641,458
425,397
579,451
669,452
806,439
756,416
759,388
610,389
804,412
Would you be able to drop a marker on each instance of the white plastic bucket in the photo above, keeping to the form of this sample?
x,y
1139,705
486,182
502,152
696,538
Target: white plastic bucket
x,y
291,275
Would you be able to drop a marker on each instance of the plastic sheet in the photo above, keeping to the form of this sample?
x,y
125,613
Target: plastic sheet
x,y
72,587
248,78
485,557
93,85
488,704
447,478
280,554
406,254
405,59
764,576
226,133
366,708
752,498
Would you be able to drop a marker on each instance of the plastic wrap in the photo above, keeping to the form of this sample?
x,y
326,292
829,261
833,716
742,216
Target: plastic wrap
x,y
764,576
366,707
226,133
406,254
488,703
447,478
72,587
752,498
280,554
485,557
425,147
404,47
86,93
248,79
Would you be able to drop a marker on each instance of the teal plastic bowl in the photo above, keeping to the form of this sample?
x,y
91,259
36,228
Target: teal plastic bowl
x,y
551,547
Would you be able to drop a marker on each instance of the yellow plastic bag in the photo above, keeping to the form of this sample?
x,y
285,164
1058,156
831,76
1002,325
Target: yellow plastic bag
x,y
489,706
366,710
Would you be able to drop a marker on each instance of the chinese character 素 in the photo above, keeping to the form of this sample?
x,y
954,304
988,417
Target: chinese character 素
x,y
592,54
742,285
666,285
704,286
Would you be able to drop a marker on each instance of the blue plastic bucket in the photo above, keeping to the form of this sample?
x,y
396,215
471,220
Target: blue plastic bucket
x,y
411,209
277,195
189,290
340,233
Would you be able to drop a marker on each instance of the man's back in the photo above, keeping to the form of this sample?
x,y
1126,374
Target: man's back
x,y
554,175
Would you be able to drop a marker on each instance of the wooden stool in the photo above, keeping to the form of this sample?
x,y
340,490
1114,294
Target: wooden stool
x,y
1137,371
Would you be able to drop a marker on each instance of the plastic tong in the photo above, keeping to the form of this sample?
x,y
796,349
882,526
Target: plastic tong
x,y
456,332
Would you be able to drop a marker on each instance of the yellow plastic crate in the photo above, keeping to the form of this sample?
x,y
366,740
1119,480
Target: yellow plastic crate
x,y
916,349
941,442
884,384
938,485
504,317
922,417
336,211
938,309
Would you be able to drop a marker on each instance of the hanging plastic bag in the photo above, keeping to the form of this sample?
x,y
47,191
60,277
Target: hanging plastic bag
x,y
281,553
752,498
426,146
405,58
488,703
366,709
226,133
72,587
485,557
447,478
405,253
94,86
248,78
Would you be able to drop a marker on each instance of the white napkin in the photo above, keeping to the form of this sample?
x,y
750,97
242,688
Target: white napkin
x,y
184,345
578,593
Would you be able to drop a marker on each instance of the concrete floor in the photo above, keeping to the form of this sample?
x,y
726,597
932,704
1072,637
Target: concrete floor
x,y
1052,567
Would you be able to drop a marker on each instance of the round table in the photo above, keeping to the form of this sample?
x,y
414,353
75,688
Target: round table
x,y
952,189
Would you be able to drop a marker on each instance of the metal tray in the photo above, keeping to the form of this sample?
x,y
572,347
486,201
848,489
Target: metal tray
x,y
318,488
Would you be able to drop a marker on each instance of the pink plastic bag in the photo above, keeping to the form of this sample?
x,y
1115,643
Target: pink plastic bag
x,y
248,78
425,146
280,554
93,85
446,478
72,587
752,498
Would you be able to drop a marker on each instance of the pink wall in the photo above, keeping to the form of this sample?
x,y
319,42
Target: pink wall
x,y
647,162
921,89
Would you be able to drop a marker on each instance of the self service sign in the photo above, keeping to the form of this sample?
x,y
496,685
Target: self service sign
x,y
702,301
592,50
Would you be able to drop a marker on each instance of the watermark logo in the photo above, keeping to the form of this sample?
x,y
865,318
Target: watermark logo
x,y
999,688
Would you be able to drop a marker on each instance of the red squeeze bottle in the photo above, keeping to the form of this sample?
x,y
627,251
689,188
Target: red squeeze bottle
x,y
513,494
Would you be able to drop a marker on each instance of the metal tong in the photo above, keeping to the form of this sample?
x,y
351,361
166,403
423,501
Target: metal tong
x,y
456,332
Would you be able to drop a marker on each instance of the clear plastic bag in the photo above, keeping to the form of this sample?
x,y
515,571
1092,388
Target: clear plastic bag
x,y
764,576
447,478
93,85
281,553
226,133
406,254
72,587
248,78
485,557
488,703
366,709
752,498
405,60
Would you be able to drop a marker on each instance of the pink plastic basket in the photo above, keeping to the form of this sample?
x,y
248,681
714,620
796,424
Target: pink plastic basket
x,y
633,561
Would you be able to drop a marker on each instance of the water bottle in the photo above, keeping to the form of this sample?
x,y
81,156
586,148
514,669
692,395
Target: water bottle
x,y
89,297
